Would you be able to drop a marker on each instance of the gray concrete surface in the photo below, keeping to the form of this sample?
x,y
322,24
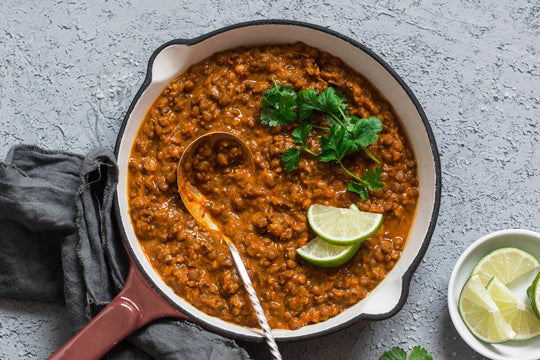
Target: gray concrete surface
x,y
69,69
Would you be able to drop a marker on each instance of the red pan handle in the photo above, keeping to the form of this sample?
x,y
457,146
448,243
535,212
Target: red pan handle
x,y
136,305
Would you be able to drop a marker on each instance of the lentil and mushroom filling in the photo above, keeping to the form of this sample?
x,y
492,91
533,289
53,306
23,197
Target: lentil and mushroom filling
x,y
263,211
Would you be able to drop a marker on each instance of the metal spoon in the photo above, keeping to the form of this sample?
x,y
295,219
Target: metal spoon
x,y
193,201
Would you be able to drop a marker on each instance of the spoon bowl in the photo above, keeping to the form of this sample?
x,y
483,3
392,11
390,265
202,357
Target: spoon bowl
x,y
192,198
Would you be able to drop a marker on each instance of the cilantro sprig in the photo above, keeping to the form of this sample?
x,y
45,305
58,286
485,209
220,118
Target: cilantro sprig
x,y
418,353
347,134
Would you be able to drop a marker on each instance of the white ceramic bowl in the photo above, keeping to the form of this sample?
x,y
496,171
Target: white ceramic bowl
x,y
174,57
526,240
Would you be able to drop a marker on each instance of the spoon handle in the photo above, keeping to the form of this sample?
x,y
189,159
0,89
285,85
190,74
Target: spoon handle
x,y
274,350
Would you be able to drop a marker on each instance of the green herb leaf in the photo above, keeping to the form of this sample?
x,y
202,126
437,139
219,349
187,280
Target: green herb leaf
x,y
291,158
335,145
360,189
301,133
395,354
419,353
342,99
307,102
331,101
280,93
271,97
278,106
373,179
286,115
366,131
332,121
266,115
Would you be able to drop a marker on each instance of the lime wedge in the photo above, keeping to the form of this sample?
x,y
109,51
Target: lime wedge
x,y
506,264
320,253
481,315
518,314
341,226
533,292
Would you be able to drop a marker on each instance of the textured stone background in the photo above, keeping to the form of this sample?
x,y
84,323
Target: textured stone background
x,y
69,70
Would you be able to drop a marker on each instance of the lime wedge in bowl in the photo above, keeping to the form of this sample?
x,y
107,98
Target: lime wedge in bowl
x,y
518,314
481,315
533,292
321,253
343,226
506,264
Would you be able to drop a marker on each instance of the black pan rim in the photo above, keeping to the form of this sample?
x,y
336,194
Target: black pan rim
x,y
407,276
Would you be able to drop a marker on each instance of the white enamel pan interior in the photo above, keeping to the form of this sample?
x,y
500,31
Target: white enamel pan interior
x,y
176,56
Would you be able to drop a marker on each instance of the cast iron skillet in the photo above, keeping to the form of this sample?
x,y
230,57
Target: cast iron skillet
x,y
145,297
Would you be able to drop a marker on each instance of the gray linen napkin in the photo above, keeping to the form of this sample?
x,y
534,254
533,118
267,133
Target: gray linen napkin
x,y
58,240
